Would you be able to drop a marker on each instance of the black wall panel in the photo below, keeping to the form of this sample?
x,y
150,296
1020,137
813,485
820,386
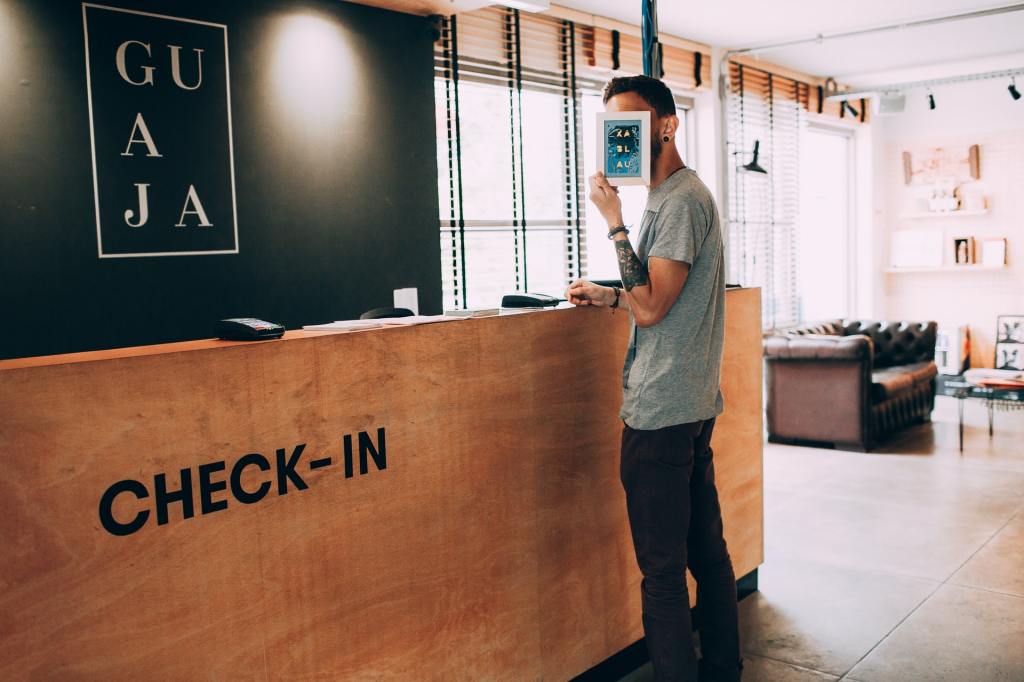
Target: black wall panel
x,y
335,168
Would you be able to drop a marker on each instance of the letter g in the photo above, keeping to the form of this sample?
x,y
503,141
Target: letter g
x,y
123,70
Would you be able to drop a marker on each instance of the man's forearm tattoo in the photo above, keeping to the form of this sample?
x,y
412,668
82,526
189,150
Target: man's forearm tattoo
x,y
633,272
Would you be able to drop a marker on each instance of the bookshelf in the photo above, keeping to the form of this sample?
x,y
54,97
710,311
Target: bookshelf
x,y
920,215
972,267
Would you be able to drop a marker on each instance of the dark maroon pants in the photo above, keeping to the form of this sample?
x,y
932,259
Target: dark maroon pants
x,y
676,522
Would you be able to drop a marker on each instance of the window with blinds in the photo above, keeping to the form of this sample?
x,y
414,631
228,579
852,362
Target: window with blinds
x,y
764,111
768,111
509,181
510,91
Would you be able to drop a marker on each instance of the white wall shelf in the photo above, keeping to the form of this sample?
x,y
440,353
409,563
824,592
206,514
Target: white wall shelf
x,y
942,214
974,267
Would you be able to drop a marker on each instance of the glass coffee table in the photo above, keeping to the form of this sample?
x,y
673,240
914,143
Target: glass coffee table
x,y
994,398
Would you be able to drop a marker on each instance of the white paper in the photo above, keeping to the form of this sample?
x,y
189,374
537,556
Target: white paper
x,y
415,319
408,299
343,325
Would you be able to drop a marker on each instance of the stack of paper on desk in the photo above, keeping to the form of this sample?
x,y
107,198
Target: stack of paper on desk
x,y
472,312
415,319
343,325
350,325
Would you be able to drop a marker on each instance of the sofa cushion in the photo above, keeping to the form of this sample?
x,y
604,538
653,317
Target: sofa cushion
x,y
817,347
824,328
891,382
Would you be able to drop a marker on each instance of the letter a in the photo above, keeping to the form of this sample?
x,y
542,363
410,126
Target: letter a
x,y
193,198
147,139
143,188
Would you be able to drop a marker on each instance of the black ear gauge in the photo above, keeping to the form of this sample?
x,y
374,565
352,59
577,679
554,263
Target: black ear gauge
x,y
666,138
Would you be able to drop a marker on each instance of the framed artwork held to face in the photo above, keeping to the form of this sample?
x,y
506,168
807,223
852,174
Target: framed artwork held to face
x,y
624,146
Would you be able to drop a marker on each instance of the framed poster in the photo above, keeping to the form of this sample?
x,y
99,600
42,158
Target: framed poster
x,y
159,95
928,166
1010,342
624,146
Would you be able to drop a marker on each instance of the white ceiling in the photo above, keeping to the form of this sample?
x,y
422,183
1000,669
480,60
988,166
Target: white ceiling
x,y
939,50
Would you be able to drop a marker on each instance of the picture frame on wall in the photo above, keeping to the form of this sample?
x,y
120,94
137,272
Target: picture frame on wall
x,y
926,166
624,144
1010,342
963,250
992,252
916,249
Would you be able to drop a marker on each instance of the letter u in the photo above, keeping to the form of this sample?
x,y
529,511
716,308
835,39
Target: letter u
x,y
176,67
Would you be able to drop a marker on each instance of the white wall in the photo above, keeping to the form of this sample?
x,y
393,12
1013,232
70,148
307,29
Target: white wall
x,y
980,113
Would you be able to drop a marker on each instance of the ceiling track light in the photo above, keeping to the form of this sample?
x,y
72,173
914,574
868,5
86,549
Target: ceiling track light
x,y
885,90
931,100
1014,92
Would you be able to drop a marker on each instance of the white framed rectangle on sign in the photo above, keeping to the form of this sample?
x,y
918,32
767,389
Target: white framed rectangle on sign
x,y
624,146
159,95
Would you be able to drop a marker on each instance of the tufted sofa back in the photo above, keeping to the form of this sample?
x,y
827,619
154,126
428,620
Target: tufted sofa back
x,y
826,327
895,343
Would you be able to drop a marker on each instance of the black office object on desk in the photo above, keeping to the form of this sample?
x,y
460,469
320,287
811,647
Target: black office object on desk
x,y
380,313
248,329
525,300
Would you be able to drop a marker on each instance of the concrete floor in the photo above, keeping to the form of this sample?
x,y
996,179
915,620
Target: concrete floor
x,y
906,563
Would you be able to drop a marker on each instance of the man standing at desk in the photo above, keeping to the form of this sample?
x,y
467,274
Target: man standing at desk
x,y
674,285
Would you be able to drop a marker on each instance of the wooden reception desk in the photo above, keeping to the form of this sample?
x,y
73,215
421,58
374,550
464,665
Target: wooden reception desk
x,y
425,503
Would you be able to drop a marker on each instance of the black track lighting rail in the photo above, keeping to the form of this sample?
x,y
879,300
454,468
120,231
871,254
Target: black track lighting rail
x,y
1005,74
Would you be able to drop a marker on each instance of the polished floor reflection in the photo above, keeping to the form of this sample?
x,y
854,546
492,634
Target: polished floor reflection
x,y
901,564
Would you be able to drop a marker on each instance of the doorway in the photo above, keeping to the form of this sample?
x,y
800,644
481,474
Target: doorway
x,y
826,218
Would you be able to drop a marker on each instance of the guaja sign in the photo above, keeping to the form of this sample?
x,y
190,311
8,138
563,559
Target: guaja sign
x,y
160,123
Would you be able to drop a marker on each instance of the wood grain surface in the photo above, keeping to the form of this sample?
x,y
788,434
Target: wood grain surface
x,y
494,545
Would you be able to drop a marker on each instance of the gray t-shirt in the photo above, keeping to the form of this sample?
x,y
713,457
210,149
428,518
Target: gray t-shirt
x,y
673,369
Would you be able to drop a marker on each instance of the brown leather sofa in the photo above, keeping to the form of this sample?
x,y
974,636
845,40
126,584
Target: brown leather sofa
x,y
848,382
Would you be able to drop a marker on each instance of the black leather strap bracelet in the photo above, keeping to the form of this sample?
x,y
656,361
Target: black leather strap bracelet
x,y
617,292
615,230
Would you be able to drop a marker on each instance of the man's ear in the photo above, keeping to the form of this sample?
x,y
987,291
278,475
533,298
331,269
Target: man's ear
x,y
670,125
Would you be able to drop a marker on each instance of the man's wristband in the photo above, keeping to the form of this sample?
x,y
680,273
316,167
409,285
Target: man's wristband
x,y
617,292
615,230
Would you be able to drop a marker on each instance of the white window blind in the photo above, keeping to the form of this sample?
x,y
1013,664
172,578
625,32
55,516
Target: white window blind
x,y
509,90
764,110
508,129
770,110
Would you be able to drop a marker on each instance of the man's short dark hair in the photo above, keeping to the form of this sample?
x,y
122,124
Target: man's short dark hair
x,y
653,91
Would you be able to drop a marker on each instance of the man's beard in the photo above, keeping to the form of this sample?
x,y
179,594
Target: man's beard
x,y
656,148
